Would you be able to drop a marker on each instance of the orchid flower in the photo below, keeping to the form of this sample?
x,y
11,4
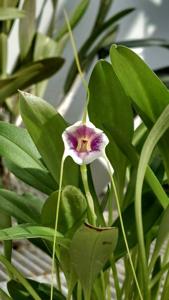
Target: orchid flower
x,y
84,142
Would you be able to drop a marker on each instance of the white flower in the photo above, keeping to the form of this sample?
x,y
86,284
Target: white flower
x,y
84,142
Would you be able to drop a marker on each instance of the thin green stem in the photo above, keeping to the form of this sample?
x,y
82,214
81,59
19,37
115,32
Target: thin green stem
x,y
79,291
84,118
115,277
122,226
91,211
56,225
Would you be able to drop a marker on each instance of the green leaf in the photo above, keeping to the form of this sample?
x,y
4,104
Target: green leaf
x,y
29,75
10,13
74,18
27,231
109,106
4,296
27,25
39,179
26,160
91,247
44,47
72,209
18,292
24,208
46,126
104,8
145,43
153,138
150,99
14,140
151,212
114,19
18,276
163,234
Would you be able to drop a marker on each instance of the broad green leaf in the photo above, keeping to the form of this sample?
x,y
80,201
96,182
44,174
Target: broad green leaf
x,y
18,292
24,208
26,161
109,105
4,296
29,75
14,140
10,13
91,247
27,28
46,126
149,42
18,276
151,212
144,88
39,179
27,231
134,74
72,209
74,18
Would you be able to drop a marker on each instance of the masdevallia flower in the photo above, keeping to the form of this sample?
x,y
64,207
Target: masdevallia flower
x,y
84,142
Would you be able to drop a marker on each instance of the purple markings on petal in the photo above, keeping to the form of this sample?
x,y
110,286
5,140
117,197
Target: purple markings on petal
x,y
84,143
72,140
84,131
96,142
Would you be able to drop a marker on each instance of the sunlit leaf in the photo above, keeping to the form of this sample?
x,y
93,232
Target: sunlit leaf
x,y
9,13
45,126
28,231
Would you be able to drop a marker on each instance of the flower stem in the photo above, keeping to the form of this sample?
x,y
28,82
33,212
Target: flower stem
x,y
56,225
91,211
122,226
78,65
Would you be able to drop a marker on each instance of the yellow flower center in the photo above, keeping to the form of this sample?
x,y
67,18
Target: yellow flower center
x,y
84,145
